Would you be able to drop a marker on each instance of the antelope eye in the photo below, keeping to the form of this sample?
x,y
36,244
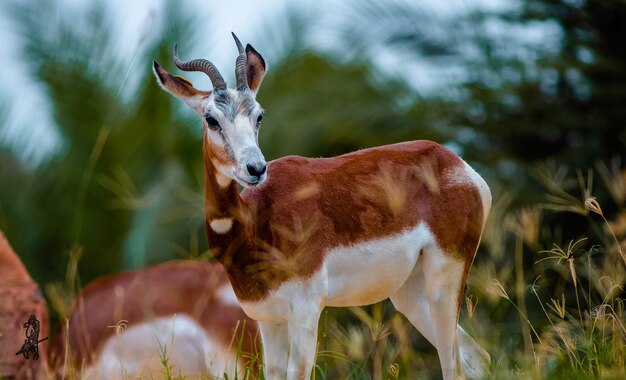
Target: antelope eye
x,y
213,124
258,119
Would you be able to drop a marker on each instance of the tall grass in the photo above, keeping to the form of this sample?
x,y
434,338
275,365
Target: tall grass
x,y
542,307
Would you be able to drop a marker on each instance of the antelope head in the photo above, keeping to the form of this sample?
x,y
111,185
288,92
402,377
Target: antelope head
x,y
231,117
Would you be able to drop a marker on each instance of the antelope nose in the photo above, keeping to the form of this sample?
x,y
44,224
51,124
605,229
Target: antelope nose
x,y
257,169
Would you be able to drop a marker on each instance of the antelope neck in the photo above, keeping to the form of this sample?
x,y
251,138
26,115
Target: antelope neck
x,y
225,213
230,233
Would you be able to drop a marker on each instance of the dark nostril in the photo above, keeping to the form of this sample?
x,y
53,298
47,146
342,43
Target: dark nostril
x,y
256,170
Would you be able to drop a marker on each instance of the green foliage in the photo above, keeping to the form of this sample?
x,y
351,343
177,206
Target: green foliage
x,y
520,101
337,108
121,156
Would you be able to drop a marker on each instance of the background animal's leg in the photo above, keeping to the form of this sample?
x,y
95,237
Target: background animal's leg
x,y
275,349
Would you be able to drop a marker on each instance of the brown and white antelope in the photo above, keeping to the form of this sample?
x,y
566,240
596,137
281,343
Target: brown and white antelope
x,y
122,326
401,221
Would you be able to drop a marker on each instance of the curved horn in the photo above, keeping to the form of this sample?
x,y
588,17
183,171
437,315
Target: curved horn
x,y
240,65
202,65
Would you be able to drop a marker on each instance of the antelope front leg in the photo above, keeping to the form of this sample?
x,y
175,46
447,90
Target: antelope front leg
x,y
302,345
275,349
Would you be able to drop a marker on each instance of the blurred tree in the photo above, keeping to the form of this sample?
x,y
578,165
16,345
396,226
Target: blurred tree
x,y
542,79
119,154
318,107
567,105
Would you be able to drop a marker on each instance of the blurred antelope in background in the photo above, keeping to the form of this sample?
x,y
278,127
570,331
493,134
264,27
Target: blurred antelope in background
x,y
400,221
123,326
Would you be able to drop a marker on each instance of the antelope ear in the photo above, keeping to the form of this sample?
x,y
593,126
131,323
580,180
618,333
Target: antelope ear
x,y
180,88
255,68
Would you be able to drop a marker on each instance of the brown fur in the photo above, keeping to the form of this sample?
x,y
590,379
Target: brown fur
x,y
179,287
284,227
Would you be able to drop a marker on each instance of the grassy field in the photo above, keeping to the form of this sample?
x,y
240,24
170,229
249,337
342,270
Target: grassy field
x,y
542,310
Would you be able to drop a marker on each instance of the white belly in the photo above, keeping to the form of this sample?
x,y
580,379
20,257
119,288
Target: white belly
x,y
137,352
371,271
354,275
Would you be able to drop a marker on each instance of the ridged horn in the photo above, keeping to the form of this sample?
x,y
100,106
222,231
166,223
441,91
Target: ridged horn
x,y
201,65
240,66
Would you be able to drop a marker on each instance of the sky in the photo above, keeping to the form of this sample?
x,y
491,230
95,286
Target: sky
x,y
30,115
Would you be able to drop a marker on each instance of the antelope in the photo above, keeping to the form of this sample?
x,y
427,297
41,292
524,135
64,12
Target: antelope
x,y
122,325
401,221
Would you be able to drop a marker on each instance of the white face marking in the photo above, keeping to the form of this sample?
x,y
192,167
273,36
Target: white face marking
x,y
237,134
243,139
215,138
221,225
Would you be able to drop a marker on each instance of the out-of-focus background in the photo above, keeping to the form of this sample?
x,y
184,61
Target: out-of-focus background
x,y
100,167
